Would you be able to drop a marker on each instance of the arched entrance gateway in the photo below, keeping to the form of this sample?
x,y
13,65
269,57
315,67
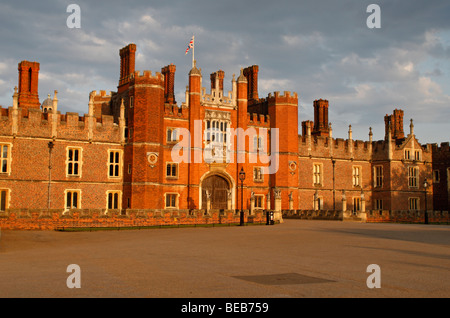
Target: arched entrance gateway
x,y
219,188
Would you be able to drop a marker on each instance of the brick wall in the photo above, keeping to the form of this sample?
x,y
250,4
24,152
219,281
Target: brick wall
x,y
35,219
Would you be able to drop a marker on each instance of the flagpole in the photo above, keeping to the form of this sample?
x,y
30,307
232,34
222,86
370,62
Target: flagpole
x,y
193,49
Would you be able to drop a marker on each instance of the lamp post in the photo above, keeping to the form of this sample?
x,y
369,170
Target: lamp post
x,y
242,178
50,147
425,185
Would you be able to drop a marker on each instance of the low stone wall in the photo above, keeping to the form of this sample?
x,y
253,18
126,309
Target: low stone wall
x,y
312,215
26,219
370,216
408,216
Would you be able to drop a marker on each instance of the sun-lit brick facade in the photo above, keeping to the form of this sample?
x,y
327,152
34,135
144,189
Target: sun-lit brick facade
x,y
119,157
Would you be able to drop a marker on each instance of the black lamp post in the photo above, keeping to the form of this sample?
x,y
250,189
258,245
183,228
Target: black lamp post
x,y
242,178
425,185
50,147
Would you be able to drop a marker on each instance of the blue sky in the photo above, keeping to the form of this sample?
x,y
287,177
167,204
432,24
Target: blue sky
x,y
319,49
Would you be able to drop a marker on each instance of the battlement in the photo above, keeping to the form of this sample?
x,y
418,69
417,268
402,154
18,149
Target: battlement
x,y
333,147
71,125
443,148
440,153
101,94
147,78
287,97
255,119
173,111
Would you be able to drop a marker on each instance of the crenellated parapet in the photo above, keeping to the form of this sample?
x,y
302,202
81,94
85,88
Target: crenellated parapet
x,y
173,111
287,98
29,123
260,120
319,146
101,103
146,78
440,153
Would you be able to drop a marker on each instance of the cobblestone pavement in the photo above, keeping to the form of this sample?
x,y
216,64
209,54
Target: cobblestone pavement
x,y
298,258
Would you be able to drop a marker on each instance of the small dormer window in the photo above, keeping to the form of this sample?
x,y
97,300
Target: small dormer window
x,y
407,154
417,155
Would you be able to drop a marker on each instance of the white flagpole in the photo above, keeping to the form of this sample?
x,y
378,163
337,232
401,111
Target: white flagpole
x,y
193,48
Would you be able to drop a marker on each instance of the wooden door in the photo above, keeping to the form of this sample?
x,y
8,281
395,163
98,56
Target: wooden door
x,y
218,189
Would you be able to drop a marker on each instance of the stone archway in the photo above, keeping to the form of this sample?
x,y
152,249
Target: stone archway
x,y
218,188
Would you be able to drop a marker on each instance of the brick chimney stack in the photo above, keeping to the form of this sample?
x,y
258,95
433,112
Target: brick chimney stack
x,y
127,63
28,85
395,122
251,73
321,125
169,83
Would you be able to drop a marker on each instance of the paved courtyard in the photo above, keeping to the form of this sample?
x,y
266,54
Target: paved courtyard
x,y
298,258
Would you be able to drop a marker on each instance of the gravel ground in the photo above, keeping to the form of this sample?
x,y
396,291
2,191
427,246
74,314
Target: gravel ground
x,y
298,258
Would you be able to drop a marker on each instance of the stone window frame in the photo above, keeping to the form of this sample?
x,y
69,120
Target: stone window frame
x,y
358,175
8,158
119,164
255,179
417,155
318,174
414,201
378,204
436,176
261,198
79,162
170,176
170,132
407,154
7,199
118,206
413,178
378,178
177,200
66,192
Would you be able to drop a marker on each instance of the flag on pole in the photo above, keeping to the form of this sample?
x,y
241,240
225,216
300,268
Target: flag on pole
x,y
190,45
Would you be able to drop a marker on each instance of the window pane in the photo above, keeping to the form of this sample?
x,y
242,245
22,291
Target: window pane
x,y
116,200
3,200
168,170
110,199
69,168
174,170
70,154
75,168
111,157
75,200
116,171
76,154
5,151
111,170
69,199
4,165
117,157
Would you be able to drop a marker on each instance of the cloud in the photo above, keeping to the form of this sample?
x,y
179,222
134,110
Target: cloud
x,y
317,49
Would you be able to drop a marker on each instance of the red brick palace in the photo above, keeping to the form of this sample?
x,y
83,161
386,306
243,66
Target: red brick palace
x,y
119,157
